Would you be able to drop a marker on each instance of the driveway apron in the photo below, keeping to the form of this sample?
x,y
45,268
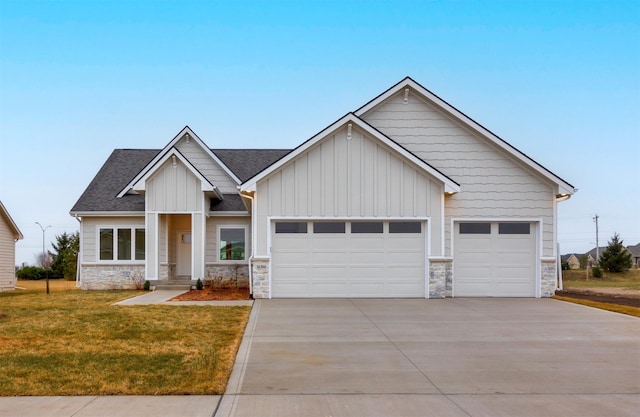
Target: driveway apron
x,y
449,357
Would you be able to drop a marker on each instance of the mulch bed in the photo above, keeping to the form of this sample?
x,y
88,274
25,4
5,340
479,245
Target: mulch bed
x,y
601,298
214,294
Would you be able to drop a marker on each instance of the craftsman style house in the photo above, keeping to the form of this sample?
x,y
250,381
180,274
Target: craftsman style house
x,y
404,197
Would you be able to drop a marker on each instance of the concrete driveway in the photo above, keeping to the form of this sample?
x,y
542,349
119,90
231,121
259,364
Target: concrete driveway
x,y
451,357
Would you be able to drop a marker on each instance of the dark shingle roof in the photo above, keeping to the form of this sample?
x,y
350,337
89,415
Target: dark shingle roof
x,y
246,163
120,168
124,164
231,202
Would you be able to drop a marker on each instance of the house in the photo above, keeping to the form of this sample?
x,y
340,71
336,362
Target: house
x,y
572,259
404,197
634,250
9,235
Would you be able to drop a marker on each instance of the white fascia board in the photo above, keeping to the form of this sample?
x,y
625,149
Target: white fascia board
x,y
563,186
167,148
106,213
14,226
206,185
450,185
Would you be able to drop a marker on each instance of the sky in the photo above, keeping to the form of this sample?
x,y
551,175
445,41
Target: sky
x,y
559,80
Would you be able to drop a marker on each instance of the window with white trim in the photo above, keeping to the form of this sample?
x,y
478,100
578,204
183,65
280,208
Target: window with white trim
x,y
231,243
121,244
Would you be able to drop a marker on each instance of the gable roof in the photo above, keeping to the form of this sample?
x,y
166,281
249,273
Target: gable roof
x,y
175,154
101,195
186,131
12,225
351,119
634,249
245,163
564,188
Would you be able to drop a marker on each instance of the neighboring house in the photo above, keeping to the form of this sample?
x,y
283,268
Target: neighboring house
x,y
9,235
404,197
572,259
635,252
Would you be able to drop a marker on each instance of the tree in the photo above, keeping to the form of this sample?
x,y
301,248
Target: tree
x,y
615,257
65,258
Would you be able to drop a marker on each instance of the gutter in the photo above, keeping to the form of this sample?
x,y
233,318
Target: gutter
x,y
253,240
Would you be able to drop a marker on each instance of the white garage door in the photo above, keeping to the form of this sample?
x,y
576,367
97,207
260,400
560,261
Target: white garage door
x,y
336,259
493,259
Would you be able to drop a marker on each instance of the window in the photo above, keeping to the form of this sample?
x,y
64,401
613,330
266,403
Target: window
x,y
405,227
475,228
366,227
106,244
291,227
514,228
232,242
328,227
122,244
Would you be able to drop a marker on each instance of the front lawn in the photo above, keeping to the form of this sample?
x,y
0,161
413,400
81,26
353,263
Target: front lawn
x,y
77,343
578,279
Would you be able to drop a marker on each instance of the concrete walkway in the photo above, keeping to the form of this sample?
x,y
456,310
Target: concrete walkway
x,y
453,357
164,297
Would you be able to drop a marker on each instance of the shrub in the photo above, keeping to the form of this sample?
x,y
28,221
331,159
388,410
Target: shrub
x,y
31,272
147,285
199,284
597,272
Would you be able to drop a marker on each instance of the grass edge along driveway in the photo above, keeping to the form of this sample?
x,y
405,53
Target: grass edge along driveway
x,y
77,343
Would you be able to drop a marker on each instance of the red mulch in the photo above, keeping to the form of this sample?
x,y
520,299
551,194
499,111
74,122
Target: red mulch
x,y
214,294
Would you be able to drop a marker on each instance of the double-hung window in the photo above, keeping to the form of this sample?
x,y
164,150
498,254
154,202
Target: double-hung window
x,y
121,244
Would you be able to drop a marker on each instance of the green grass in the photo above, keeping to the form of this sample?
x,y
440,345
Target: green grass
x,y
578,279
73,342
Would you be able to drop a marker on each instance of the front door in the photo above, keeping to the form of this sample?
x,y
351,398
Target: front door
x,y
183,253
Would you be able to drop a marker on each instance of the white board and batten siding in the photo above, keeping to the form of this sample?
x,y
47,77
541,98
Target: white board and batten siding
x,y
173,188
349,178
349,181
493,183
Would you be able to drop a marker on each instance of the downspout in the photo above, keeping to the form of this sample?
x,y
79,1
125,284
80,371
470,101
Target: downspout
x,y
79,260
253,242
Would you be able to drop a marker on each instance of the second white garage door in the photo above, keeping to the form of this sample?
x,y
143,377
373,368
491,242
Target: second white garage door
x,y
336,259
494,259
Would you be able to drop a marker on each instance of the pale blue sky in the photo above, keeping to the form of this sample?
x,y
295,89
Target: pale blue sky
x,y
558,80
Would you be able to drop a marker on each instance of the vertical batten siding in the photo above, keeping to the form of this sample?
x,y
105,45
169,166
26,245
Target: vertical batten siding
x,y
174,189
493,183
7,255
207,166
344,178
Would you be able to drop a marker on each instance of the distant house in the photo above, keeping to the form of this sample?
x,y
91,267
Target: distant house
x,y
377,204
573,259
635,252
9,235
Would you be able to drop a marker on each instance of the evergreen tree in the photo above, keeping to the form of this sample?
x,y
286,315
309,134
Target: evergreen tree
x,y
65,258
615,257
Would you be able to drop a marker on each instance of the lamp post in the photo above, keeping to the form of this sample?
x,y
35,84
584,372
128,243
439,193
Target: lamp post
x,y
44,229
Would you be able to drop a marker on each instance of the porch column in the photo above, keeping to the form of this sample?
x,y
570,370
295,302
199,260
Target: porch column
x,y
198,231
151,246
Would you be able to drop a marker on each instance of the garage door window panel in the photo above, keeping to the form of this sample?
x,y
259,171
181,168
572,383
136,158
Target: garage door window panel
x,y
291,227
514,228
405,227
367,227
329,227
475,228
